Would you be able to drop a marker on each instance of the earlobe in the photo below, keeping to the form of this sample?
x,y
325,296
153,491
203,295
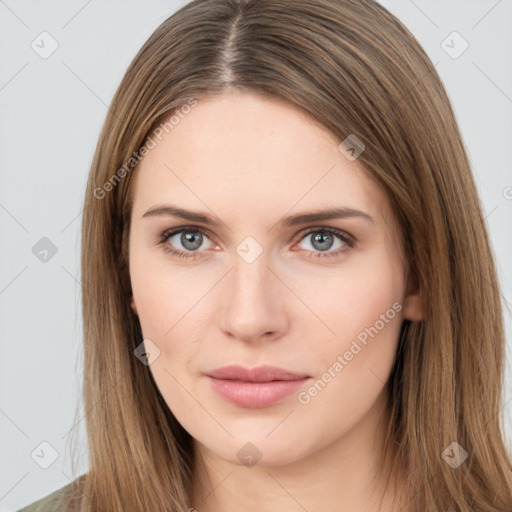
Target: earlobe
x,y
413,306
133,306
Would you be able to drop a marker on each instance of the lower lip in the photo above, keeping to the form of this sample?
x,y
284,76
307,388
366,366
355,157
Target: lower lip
x,y
255,395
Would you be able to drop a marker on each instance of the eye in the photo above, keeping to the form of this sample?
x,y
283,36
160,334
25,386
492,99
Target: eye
x,y
189,242
322,240
191,239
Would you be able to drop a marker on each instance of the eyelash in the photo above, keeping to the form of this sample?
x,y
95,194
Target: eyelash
x,y
347,239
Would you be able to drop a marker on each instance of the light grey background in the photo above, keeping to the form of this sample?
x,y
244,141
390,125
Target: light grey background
x,y
51,113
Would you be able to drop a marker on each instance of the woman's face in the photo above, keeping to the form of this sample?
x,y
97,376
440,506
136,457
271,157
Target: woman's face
x,y
259,284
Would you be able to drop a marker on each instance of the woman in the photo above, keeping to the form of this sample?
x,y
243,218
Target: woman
x,y
284,267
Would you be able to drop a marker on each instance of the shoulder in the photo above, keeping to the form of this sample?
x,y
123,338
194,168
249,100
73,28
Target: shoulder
x,y
57,501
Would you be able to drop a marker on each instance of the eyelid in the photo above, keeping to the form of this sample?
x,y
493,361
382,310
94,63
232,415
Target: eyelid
x,y
328,229
348,240
344,236
167,233
300,234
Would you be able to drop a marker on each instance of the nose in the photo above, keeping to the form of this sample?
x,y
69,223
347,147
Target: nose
x,y
253,302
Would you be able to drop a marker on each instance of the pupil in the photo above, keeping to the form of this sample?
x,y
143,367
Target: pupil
x,y
191,240
322,239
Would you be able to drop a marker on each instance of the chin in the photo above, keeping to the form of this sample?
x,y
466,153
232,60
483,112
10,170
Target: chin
x,y
260,450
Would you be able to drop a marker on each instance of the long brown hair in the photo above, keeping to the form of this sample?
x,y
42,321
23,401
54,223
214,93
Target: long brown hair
x,y
355,69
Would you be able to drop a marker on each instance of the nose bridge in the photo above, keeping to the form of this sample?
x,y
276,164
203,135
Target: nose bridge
x,y
251,284
251,307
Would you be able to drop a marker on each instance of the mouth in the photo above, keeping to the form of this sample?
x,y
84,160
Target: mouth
x,y
255,388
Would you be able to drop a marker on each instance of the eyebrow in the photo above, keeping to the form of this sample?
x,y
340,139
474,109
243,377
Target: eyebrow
x,y
291,220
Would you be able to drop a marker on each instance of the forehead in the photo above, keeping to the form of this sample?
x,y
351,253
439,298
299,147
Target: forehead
x,y
238,152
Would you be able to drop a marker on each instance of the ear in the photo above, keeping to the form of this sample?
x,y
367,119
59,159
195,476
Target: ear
x,y
413,307
133,306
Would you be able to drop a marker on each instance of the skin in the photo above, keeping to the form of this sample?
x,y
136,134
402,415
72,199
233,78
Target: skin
x,y
250,161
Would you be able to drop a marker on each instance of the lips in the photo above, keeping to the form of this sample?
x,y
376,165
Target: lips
x,y
257,387
259,374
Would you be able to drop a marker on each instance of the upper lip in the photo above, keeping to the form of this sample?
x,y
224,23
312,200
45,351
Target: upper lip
x,y
258,374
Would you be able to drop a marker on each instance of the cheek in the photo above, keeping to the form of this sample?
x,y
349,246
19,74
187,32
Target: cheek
x,y
169,311
354,366
175,312
362,307
165,298
366,329
348,300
